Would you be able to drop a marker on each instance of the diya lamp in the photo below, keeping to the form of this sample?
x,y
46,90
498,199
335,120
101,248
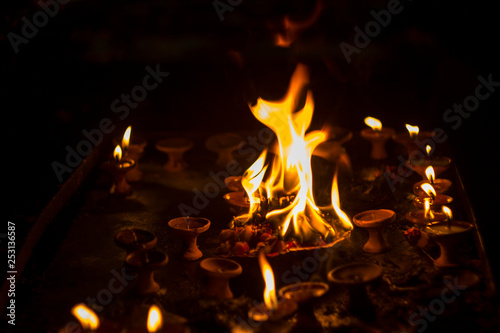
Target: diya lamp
x,y
436,201
118,168
189,228
448,235
408,139
375,221
239,202
145,263
133,148
423,217
273,309
356,277
219,271
440,185
134,239
378,136
224,145
175,149
439,163
233,183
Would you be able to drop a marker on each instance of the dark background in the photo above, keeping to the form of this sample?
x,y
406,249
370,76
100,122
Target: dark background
x,y
64,79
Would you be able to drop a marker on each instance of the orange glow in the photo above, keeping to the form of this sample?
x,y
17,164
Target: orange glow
x,y
447,212
289,173
117,154
428,149
413,130
429,190
429,173
374,123
344,219
155,319
126,138
252,179
429,215
87,318
270,298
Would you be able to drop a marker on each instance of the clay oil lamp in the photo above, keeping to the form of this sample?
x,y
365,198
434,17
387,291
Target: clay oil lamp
x,y
440,185
273,309
118,168
356,277
224,145
189,228
436,200
448,235
175,149
219,271
378,136
133,148
145,263
375,221
409,138
423,217
238,202
134,239
233,183
440,163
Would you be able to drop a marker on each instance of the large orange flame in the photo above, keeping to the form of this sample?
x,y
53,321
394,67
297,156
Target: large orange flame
x,y
290,172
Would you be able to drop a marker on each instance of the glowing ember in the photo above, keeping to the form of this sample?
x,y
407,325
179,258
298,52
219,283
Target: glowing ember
x,y
374,123
279,186
87,318
155,319
413,130
270,298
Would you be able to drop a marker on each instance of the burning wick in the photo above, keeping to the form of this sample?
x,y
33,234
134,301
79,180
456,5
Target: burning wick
x,y
428,149
270,298
429,172
413,130
374,123
428,214
449,216
117,154
87,318
155,319
126,139
429,190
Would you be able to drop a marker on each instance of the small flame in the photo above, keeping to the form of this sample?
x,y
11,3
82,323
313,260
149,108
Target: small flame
x,y
429,172
428,214
270,298
428,149
413,130
117,154
126,139
447,212
344,219
252,179
87,318
374,123
155,319
429,190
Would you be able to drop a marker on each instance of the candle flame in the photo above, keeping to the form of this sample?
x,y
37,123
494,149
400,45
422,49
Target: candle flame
x,y
270,298
428,214
344,219
374,123
429,190
87,318
447,212
126,138
413,130
155,319
428,149
430,174
117,154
